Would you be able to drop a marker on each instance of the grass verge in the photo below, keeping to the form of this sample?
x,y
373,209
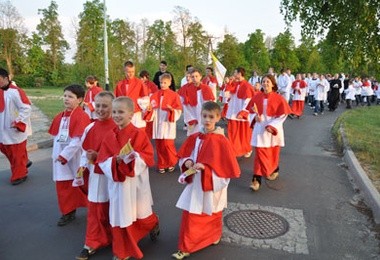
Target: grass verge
x,y
362,129
47,99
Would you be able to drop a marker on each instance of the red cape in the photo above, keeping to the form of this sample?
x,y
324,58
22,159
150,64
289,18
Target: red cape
x,y
115,140
276,106
216,153
245,90
24,98
91,93
189,93
299,82
136,89
78,122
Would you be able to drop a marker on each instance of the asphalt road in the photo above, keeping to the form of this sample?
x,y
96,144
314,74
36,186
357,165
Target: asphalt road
x,y
314,195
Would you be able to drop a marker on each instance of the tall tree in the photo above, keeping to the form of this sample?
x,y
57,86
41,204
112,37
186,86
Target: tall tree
x,y
353,26
11,32
230,53
160,40
122,46
50,31
283,55
256,53
90,41
198,44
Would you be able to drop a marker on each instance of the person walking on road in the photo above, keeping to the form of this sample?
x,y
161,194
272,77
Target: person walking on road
x,y
269,111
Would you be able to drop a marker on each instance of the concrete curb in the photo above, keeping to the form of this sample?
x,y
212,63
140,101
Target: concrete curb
x,y
40,145
371,195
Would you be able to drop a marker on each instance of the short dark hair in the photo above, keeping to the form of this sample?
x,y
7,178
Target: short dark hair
x,y
210,68
188,66
241,70
4,73
144,73
78,90
164,62
128,63
91,79
211,106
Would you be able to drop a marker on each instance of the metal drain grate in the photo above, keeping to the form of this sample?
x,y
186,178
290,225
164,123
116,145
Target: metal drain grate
x,y
258,224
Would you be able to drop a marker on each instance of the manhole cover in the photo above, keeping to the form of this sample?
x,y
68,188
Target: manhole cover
x,y
258,224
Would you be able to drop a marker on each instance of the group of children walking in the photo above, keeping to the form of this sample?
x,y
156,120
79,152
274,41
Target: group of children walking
x,y
102,154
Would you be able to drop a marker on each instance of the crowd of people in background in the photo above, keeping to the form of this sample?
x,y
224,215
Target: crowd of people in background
x,y
103,150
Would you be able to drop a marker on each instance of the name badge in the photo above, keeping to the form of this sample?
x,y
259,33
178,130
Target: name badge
x,y
63,135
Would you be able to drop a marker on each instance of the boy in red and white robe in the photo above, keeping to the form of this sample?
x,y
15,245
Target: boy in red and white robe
x,y
210,157
239,131
269,111
98,231
299,93
89,98
67,128
15,110
164,112
135,89
131,214
193,95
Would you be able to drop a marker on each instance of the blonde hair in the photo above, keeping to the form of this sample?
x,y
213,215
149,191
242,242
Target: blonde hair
x,y
126,101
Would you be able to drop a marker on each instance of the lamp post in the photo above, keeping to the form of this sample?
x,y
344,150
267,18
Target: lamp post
x,y
106,73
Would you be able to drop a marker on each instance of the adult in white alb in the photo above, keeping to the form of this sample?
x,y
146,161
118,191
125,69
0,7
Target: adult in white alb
x,y
284,85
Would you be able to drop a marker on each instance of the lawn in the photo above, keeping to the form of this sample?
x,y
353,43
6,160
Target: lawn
x,y
48,99
362,128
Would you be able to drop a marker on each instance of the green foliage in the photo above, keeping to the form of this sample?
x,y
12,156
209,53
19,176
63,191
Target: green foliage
x,y
231,54
50,32
256,53
352,26
284,55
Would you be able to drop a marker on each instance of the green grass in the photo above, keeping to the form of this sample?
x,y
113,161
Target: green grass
x,y
48,99
362,129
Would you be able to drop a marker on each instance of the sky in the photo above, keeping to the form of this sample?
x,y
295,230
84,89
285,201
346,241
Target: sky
x,y
239,18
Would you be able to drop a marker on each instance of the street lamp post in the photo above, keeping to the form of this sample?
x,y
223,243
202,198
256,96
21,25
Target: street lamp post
x,y
106,73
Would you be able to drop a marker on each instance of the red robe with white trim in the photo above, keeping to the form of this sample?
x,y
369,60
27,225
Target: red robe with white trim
x,y
273,110
131,214
89,101
69,197
205,194
15,111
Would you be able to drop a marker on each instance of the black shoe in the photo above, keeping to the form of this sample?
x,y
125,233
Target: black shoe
x,y
29,163
66,219
19,181
155,232
85,254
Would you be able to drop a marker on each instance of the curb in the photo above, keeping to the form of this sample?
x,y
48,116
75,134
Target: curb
x,y
40,145
371,195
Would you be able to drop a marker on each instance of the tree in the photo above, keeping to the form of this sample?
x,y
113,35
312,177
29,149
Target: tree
x,y
353,26
11,32
256,53
50,31
198,44
160,40
90,41
283,55
122,46
230,53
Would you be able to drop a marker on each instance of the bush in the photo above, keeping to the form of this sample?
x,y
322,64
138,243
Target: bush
x,y
24,81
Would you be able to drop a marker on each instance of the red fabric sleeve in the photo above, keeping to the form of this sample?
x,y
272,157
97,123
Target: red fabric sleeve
x,y
274,130
20,126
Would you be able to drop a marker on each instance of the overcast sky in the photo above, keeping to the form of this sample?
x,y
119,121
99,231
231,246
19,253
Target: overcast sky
x,y
238,17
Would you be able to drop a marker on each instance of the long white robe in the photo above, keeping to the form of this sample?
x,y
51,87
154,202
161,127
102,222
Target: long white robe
x,y
194,200
129,200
